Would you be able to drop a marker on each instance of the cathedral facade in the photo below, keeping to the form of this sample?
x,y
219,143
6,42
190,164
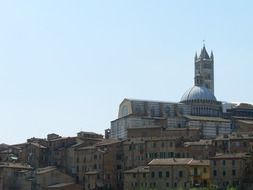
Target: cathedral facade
x,y
198,107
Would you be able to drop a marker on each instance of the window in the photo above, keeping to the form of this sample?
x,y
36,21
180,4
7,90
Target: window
x,y
160,174
224,173
233,162
180,173
167,174
233,172
134,175
163,154
214,173
224,162
118,157
153,174
204,170
195,171
144,175
214,162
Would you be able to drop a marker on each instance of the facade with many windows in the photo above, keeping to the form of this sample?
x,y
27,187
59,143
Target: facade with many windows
x,y
169,173
229,169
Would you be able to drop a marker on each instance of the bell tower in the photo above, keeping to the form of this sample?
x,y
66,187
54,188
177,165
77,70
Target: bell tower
x,y
204,69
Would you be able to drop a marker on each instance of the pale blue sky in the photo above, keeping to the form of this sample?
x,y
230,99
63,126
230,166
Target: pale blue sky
x,y
65,66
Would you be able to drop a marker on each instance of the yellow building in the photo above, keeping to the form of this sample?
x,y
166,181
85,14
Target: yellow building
x,y
169,173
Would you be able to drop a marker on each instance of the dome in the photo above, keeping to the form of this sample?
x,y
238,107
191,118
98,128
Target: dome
x,y
198,93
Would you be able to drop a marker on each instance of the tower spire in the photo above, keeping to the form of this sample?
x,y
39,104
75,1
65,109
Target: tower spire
x,y
204,72
196,56
211,55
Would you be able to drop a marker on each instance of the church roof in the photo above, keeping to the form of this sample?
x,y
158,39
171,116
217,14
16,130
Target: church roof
x,y
204,54
198,93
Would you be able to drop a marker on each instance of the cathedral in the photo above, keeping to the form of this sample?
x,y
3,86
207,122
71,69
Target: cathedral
x,y
198,107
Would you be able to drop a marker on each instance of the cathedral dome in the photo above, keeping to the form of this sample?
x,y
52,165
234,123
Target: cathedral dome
x,y
198,93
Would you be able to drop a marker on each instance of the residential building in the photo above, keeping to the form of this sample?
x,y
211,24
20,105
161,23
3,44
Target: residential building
x,y
9,174
200,150
229,169
233,143
169,173
100,165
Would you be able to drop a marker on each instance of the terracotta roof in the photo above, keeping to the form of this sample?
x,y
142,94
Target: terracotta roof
x,y
45,170
15,166
60,185
199,143
200,163
234,137
107,142
38,145
140,169
170,161
245,106
86,148
61,138
144,139
177,161
231,156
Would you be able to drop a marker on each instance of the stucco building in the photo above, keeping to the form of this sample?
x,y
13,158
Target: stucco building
x,y
230,169
169,173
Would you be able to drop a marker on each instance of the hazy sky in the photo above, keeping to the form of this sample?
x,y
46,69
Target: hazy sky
x,y
65,66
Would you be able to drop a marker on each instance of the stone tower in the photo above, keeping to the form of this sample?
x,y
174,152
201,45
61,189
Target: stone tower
x,y
204,69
